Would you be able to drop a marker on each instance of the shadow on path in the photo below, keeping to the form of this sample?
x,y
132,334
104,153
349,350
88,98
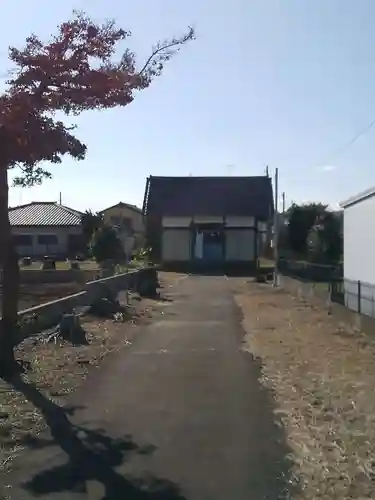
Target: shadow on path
x,y
92,456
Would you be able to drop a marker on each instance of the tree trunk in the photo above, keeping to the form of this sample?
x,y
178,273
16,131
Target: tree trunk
x,y
10,283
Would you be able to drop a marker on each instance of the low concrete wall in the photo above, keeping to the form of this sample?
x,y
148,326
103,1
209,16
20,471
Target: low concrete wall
x,y
46,315
313,293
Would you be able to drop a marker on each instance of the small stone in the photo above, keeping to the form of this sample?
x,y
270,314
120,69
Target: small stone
x,y
83,361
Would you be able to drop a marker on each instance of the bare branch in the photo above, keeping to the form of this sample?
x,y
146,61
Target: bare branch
x,y
165,47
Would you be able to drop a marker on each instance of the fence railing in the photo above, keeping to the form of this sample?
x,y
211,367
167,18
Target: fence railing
x,y
358,296
308,271
337,291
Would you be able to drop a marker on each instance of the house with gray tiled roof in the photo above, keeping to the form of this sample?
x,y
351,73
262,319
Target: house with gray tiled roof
x,y
208,221
46,228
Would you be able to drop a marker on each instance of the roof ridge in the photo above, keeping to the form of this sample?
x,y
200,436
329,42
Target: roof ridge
x,y
33,203
129,205
210,177
70,210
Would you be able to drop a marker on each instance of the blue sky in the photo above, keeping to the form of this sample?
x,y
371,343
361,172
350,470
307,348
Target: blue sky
x,y
280,82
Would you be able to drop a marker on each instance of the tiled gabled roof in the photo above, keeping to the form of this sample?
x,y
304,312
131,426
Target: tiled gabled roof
x,y
44,213
186,196
126,205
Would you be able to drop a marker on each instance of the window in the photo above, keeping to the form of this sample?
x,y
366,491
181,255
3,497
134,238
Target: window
x,y
127,225
115,220
47,239
122,223
75,243
127,222
23,240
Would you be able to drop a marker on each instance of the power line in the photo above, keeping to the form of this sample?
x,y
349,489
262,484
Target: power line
x,y
347,145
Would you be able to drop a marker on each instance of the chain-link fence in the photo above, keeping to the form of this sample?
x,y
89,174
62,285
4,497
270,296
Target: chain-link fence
x,y
358,296
308,271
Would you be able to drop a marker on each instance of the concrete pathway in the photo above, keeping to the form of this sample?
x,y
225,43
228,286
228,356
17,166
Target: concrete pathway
x,y
179,415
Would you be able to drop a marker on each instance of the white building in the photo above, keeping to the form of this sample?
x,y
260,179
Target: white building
x,y
359,244
46,228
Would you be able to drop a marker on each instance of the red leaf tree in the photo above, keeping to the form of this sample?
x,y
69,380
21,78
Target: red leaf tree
x,y
72,73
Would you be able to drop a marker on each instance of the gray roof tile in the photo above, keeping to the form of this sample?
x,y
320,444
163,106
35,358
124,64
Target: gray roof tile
x,y
44,214
184,196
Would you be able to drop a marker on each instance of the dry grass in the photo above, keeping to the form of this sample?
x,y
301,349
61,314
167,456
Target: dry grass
x,y
57,370
323,376
62,265
264,262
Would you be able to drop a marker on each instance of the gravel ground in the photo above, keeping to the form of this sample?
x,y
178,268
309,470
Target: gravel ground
x,y
323,377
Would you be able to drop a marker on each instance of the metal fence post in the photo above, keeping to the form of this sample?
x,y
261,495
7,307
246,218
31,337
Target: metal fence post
x,y
359,297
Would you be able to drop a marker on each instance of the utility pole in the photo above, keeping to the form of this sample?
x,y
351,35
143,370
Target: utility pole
x,y
267,173
60,198
283,201
276,230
